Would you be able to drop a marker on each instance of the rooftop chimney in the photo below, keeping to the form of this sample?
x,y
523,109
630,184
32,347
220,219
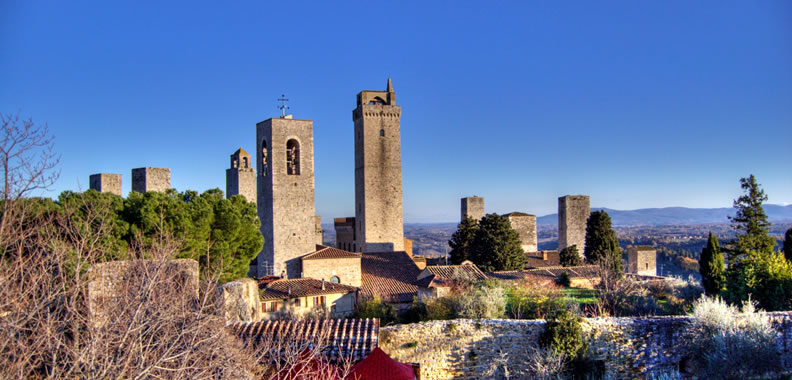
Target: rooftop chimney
x,y
323,286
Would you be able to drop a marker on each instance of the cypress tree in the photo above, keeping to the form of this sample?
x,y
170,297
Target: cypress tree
x,y
461,240
496,245
788,244
601,243
750,222
711,267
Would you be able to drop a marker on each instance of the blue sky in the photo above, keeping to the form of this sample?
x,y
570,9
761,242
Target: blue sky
x,y
637,104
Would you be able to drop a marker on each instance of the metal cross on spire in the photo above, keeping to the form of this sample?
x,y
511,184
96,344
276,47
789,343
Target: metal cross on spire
x,y
283,107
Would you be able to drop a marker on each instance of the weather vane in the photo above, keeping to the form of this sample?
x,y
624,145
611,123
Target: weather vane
x,y
283,107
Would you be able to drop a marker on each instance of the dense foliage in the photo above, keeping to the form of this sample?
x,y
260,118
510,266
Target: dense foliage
x,y
462,239
788,244
496,245
570,256
221,234
602,247
564,334
750,222
711,267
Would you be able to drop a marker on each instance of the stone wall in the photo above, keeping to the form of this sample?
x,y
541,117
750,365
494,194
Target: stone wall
x,y
525,225
378,176
150,179
472,207
468,349
241,301
285,201
106,183
573,212
347,270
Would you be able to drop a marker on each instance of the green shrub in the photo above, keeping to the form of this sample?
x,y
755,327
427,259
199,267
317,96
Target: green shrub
x,y
375,308
411,345
415,313
563,279
564,334
486,301
441,308
527,300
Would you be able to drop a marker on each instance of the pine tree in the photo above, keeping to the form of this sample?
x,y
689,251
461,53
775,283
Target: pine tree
x,y
570,256
788,244
750,222
496,245
461,240
711,267
601,243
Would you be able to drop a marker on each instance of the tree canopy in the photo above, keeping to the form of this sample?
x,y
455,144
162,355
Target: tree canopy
x,y
496,245
462,239
602,247
750,221
788,244
711,267
570,256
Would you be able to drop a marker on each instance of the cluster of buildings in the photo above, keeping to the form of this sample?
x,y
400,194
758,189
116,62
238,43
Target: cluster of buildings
x,y
372,258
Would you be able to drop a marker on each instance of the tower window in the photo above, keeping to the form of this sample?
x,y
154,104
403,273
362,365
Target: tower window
x,y
293,157
382,132
263,157
245,162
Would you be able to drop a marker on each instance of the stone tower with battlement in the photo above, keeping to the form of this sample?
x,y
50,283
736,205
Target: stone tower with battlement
x,y
105,183
285,193
241,176
378,179
472,207
150,179
573,212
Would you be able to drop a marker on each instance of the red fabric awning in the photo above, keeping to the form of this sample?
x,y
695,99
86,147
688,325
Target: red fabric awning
x,y
379,366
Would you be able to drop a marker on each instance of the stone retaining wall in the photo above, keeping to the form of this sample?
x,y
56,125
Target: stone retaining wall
x,y
474,349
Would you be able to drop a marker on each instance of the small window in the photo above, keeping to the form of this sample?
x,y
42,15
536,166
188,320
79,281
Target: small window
x,y
293,157
263,157
382,132
647,266
335,280
297,302
245,162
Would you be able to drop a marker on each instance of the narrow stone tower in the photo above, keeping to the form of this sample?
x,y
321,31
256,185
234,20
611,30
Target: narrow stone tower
x,y
378,180
105,183
285,190
241,177
150,179
573,212
472,207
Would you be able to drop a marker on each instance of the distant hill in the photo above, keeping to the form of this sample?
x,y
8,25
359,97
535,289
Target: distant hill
x,y
676,215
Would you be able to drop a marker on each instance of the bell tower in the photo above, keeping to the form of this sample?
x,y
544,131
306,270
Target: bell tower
x,y
378,180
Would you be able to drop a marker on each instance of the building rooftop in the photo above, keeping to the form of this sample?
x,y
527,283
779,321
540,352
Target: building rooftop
x,y
324,252
390,276
445,275
342,337
541,259
301,287
547,272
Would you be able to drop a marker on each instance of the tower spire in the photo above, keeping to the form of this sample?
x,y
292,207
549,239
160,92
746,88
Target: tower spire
x,y
390,85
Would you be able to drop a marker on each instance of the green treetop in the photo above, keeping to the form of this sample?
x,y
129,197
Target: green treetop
x,y
711,267
462,239
496,245
751,222
602,247
570,256
788,244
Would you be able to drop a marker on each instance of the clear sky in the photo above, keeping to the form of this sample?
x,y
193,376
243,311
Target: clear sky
x,y
637,104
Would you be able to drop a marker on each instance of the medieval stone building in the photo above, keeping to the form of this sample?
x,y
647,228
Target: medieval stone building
x,y
525,225
472,207
642,260
573,212
105,183
241,176
150,179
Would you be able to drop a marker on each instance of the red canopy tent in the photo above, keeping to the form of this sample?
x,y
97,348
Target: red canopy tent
x,y
309,367
379,366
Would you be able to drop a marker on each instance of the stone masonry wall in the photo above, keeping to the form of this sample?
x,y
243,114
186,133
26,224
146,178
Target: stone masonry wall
x,y
573,212
472,207
106,183
241,181
378,178
285,201
642,261
525,225
150,179
347,270
470,349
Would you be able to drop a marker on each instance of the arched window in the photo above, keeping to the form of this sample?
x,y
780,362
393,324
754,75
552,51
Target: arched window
x,y
245,163
382,132
293,157
335,280
263,157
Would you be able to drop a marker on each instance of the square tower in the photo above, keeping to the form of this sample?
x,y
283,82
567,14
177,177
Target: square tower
x,y
642,260
472,207
285,191
379,223
105,183
241,177
525,225
573,213
150,179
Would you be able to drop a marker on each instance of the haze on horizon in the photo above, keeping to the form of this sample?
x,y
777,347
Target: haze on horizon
x,y
637,105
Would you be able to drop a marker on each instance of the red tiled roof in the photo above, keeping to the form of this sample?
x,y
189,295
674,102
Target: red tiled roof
x,y
548,272
323,252
301,287
342,337
390,276
444,275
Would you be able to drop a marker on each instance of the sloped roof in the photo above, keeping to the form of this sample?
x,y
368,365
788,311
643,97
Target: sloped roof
x,y
547,272
444,275
390,276
324,252
517,213
301,287
342,337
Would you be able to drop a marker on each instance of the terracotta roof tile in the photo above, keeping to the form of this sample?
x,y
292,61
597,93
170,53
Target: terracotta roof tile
x,y
301,287
444,275
548,272
342,337
390,276
323,252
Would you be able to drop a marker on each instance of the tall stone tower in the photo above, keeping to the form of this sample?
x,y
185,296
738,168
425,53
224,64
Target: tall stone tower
x,y
285,190
378,181
241,177
150,179
473,207
573,212
106,183
525,225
